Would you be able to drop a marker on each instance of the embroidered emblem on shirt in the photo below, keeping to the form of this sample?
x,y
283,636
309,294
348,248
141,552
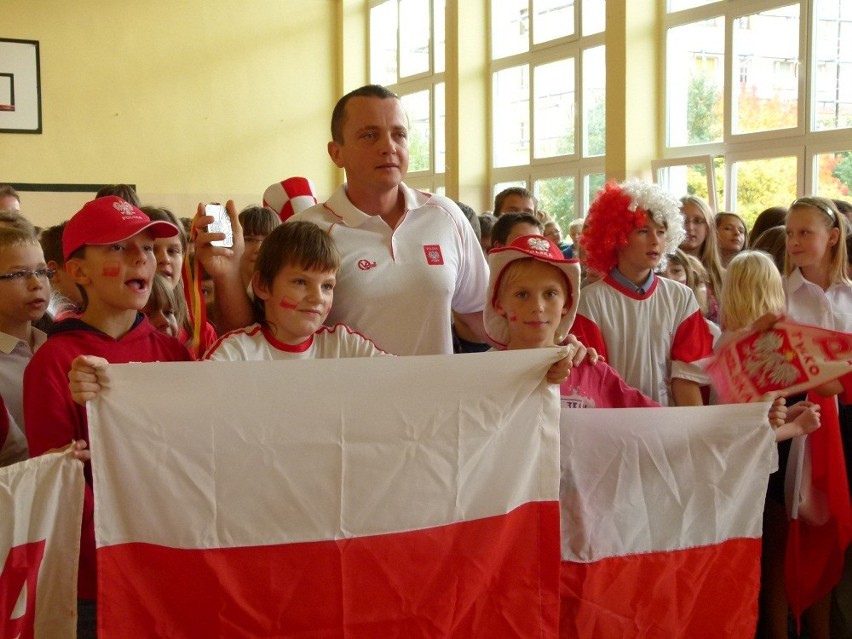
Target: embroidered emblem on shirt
x,y
433,254
366,265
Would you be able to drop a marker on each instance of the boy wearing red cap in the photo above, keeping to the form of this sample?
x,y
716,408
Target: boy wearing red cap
x,y
533,293
109,252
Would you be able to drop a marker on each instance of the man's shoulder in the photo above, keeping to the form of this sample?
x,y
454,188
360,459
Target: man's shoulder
x,y
318,214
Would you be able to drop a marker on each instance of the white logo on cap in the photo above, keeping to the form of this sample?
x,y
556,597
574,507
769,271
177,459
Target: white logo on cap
x,y
539,244
125,208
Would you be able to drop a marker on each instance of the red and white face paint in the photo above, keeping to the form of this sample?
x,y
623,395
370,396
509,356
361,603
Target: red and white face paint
x,y
111,268
533,298
297,303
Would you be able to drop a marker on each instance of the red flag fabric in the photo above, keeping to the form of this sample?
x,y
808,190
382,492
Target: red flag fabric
x,y
790,358
376,497
821,526
42,504
661,520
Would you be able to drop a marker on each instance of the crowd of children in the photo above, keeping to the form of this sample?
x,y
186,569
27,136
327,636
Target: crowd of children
x,y
661,298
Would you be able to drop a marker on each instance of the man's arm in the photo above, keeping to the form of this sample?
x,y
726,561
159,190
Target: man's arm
x,y
473,326
223,265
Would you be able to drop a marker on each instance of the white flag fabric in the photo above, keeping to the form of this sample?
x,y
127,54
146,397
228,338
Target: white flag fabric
x,y
41,501
661,520
411,496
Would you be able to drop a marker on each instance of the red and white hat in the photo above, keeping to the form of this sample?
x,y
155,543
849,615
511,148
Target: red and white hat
x,y
108,220
538,248
290,196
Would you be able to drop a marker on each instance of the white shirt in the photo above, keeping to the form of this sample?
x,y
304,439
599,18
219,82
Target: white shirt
x,y
398,286
253,343
809,304
649,338
15,354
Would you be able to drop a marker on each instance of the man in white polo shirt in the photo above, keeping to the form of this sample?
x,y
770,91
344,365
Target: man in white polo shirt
x,y
408,258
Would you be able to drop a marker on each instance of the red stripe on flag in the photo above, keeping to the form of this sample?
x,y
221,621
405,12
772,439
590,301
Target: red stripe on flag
x,y
492,577
683,593
814,559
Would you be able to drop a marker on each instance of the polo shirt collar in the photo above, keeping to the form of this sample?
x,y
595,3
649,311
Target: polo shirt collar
x,y
350,215
795,280
9,342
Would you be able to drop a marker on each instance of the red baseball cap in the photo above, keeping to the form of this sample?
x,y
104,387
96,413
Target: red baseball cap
x,y
108,220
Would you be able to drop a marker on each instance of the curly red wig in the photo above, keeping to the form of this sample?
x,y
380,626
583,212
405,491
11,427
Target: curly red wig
x,y
607,226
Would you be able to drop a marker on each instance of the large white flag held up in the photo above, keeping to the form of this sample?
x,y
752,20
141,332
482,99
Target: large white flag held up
x,y
380,497
41,501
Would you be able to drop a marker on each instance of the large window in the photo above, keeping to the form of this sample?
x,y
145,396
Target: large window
x,y
762,93
407,56
548,97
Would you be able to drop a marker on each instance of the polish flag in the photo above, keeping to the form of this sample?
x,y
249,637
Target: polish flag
x,y
375,497
41,501
661,520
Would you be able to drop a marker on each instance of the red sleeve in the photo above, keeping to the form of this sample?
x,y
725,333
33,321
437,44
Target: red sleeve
x,y
589,334
53,420
692,340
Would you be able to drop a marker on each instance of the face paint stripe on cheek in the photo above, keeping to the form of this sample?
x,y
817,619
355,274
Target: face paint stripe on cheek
x,y
112,268
285,303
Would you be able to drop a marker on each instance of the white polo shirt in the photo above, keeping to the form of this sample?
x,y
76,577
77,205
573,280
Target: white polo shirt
x,y
254,343
809,304
399,286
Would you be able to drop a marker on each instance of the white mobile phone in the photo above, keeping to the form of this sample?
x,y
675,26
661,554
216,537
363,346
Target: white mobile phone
x,y
221,224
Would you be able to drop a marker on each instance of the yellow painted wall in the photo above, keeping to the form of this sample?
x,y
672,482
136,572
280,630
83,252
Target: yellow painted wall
x,y
190,100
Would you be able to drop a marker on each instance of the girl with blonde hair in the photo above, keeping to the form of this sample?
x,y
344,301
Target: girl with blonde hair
x,y
753,288
819,292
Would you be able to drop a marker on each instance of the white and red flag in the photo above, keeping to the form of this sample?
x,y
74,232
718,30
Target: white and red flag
x,y
661,520
376,497
41,501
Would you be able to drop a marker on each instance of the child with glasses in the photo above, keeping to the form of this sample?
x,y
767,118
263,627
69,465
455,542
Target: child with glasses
x,y
24,296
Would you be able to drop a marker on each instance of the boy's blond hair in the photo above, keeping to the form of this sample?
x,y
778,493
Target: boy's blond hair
x,y
515,269
14,220
752,288
16,236
832,218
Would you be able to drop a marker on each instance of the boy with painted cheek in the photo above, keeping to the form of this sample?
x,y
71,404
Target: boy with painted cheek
x,y
109,252
533,293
